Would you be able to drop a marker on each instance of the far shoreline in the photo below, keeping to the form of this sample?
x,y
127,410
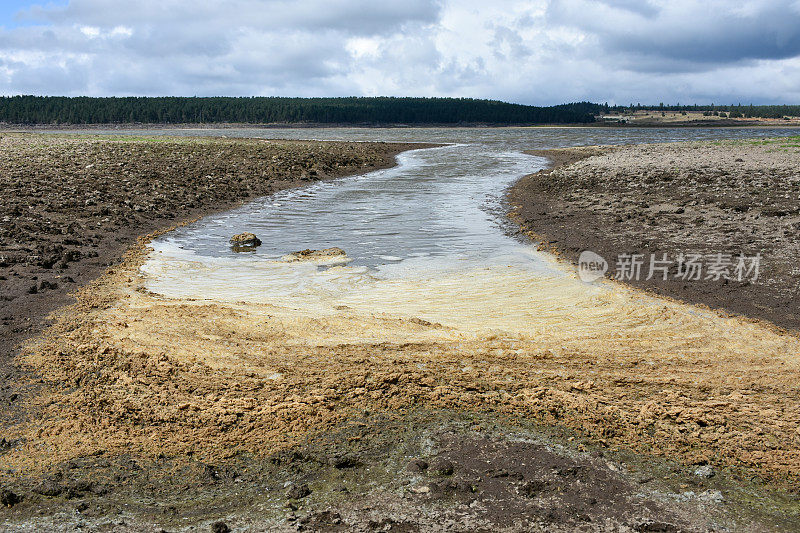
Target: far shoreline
x,y
721,124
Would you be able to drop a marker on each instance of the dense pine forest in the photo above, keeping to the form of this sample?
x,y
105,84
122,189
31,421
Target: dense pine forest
x,y
59,110
273,110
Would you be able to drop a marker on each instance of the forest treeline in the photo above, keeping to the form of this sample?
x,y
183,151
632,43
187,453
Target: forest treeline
x,y
353,110
277,110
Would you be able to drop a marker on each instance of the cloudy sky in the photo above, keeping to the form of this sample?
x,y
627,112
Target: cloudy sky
x,y
534,52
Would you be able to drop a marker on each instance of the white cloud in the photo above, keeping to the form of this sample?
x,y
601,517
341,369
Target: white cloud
x,y
363,47
90,31
121,31
530,51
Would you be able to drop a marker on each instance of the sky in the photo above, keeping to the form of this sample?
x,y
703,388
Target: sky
x,y
539,52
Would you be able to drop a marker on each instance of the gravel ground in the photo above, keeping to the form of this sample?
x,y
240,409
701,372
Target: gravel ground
x,y
730,198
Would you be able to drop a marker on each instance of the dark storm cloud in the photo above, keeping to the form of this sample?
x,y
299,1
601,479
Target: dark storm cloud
x,y
685,35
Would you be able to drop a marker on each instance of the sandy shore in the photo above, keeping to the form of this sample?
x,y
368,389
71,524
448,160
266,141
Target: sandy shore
x,y
730,198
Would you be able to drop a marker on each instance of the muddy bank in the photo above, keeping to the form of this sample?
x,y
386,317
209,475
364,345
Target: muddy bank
x,y
730,198
493,409
147,399
416,470
72,205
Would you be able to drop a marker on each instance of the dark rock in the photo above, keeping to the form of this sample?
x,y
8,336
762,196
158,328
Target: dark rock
x,y
245,240
220,527
297,492
417,465
9,498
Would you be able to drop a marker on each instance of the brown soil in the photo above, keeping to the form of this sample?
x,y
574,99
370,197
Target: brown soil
x,y
418,470
707,198
168,386
180,413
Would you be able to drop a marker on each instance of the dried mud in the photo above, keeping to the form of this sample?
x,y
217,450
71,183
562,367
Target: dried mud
x,y
729,197
420,406
130,373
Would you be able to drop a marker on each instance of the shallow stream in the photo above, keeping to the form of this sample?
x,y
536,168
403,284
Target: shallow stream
x,y
426,238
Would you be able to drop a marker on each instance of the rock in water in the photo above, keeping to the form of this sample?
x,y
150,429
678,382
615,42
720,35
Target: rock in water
x,y
245,242
325,255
